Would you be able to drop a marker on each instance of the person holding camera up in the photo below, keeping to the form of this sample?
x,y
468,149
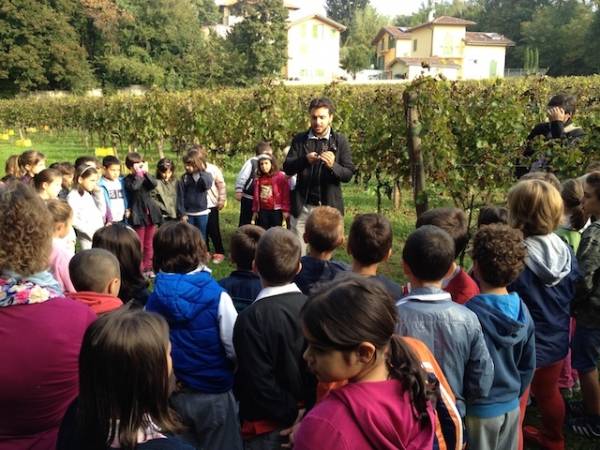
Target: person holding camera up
x,y
321,159
145,214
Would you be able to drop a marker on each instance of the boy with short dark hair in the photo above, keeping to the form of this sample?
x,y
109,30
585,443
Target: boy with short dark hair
x,y
453,221
451,331
370,244
243,284
96,277
324,232
498,259
112,185
272,378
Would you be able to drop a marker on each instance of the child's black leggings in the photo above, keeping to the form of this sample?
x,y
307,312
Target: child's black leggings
x,y
268,218
213,231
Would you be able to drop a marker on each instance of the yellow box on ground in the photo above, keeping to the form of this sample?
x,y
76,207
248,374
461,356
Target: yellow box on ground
x,y
31,130
23,143
104,151
4,137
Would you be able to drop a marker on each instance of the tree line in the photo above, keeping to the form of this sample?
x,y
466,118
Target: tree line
x,y
81,44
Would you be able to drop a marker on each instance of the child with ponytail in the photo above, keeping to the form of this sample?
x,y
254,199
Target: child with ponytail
x,y
349,327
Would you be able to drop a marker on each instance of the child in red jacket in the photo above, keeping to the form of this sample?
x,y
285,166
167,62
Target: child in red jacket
x,y
271,200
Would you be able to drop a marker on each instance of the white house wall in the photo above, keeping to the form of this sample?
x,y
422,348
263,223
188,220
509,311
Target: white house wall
x,y
480,61
313,52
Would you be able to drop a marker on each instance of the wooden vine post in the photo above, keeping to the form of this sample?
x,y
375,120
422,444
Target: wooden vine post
x,y
417,170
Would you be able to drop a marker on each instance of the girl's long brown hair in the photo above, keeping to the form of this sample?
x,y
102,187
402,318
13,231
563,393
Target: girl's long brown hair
x,y
123,376
345,313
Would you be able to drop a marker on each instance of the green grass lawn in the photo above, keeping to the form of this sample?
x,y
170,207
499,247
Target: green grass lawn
x,y
358,199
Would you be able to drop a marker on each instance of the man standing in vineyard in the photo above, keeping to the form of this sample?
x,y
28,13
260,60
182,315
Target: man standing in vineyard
x,y
561,109
321,159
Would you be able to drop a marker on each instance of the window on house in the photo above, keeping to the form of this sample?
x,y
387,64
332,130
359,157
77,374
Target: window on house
x,y
414,45
380,63
493,68
391,43
315,31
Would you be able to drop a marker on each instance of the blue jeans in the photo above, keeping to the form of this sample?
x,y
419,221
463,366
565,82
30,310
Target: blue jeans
x,y
199,222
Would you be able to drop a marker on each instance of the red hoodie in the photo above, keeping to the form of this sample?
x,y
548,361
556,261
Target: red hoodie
x,y
363,416
100,303
280,189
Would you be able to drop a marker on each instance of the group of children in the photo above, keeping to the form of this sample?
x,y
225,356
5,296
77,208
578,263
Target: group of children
x,y
295,349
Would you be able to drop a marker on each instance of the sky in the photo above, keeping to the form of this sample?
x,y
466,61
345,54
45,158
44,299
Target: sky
x,y
390,8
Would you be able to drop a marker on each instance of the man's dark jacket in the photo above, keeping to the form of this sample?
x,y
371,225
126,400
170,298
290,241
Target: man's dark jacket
x,y
329,180
556,129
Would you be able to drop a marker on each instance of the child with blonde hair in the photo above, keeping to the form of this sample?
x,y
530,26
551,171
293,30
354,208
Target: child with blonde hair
x,y
546,286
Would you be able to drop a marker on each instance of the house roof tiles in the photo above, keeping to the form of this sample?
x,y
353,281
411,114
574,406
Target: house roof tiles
x,y
445,20
477,38
332,23
395,32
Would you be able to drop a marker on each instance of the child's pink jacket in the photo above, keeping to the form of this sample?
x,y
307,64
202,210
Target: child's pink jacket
x,y
59,264
281,193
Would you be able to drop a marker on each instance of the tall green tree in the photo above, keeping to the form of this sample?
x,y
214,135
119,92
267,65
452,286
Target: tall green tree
x,y
208,13
465,9
154,44
592,45
560,32
505,17
358,53
343,11
258,43
39,49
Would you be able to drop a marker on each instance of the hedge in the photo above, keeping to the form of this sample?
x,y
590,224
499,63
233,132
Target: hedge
x,y
472,132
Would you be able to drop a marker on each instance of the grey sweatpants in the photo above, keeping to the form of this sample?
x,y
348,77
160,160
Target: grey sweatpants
x,y
494,433
212,419
299,224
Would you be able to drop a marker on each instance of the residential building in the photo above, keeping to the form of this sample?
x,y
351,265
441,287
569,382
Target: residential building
x,y
313,49
441,46
313,43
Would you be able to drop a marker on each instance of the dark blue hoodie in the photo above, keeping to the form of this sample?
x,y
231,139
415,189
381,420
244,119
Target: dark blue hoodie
x,y
509,335
315,271
547,286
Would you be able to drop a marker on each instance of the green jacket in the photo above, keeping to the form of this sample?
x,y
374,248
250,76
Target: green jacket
x,y
586,304
165,195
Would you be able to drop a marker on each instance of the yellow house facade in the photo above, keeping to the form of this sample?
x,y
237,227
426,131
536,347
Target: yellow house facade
x,y
313,49
313,52
440,47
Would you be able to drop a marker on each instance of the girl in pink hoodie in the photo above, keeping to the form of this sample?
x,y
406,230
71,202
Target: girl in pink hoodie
x,y
349,327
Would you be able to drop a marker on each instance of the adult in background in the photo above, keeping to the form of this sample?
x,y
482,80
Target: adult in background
x,y
40,331
561,109
321,159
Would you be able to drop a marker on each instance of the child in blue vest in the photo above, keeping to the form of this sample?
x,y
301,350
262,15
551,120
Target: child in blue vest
x,y
201,317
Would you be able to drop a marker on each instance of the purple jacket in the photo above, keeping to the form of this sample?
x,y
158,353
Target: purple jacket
x,y
363,416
